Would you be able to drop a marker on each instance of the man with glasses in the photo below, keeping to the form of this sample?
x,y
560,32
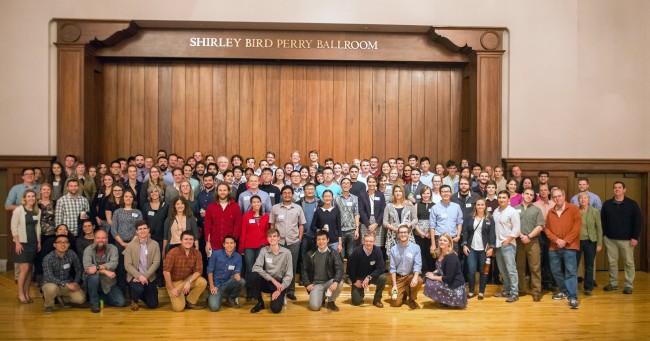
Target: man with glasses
x,y
405,269
16,192
446,217
58,267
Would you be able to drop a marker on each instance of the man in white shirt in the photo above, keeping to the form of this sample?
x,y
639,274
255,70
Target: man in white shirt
x,y
507,228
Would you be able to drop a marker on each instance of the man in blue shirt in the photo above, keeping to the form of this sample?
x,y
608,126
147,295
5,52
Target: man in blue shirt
x,y
329,183
16,192
224,275
446,217
405,268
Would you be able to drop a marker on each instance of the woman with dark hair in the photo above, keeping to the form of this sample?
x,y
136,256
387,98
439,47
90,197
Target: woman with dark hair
x,y
422,233
279,179
155,212
526,182
100,201
406,176
254,225
328,218
155,179
515,197
180,219
371,212
57,179
304,176
479,239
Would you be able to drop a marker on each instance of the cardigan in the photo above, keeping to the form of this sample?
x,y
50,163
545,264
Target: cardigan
x,y
19,227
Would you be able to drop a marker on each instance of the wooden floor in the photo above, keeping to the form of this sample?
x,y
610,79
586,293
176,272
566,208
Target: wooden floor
x,y
610,315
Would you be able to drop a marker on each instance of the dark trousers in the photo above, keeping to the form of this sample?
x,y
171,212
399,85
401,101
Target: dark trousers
x,y
428,263
260,285
588,248
120,272
147,293
359,293
547,275
250,255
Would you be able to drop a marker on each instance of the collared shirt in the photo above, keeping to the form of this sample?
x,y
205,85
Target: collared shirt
x,y
349,210
245,201
449,181
168,178
298,193
57,269
405,260
142,265
446,218
426,179
507,224
16,193
594,200
545,207
68,211
204,198
530,217
287,220
182,266
143,174
277,266
223,267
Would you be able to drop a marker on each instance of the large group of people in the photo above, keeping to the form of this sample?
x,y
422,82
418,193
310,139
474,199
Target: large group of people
x,y
113,234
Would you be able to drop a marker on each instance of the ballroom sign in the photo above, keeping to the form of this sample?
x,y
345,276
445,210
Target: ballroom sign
x,y
266,43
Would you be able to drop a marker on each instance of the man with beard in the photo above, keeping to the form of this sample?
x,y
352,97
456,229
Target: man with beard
x,y
71,207
481,184
222,218
167,176
100,261
142,172
205,197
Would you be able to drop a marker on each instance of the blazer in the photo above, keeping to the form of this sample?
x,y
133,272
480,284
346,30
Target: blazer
x,y
415,193
19,225
592,223
378,204
132,259
409,216
488,234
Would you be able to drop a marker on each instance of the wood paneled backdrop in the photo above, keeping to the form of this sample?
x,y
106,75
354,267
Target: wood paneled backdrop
x,y
221,107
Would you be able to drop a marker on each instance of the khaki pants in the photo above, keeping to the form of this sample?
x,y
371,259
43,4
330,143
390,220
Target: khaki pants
x,y
622,247
197,287
404,290
51,291
529,254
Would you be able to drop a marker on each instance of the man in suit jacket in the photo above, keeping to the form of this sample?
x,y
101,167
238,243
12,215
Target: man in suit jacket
x,y
414,187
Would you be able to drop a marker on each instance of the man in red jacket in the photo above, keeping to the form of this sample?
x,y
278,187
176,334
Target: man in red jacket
x,y
563,224
223,217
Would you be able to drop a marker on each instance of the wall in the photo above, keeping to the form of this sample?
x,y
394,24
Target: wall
x,y
572,64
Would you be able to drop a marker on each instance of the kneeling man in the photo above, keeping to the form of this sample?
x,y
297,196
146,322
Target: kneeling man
x,y
322,274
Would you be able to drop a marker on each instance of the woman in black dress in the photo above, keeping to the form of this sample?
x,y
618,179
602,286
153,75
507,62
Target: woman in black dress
x,y
26,231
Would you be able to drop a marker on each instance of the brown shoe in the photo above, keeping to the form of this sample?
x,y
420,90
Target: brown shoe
x,y
537,298
197,306
378,304
135,306
412,304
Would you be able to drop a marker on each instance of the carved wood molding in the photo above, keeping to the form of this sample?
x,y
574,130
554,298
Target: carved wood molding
x,y
96,33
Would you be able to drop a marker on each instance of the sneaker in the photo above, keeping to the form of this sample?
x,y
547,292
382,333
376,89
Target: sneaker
x,y
332,306
610,287
559,296
48,310
501,294
588,293
95,308
512,298
627,291
573,303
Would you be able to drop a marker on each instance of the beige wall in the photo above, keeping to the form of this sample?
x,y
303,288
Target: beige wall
x,y
579,67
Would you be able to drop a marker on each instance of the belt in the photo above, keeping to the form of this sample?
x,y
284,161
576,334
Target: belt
x,y
400,276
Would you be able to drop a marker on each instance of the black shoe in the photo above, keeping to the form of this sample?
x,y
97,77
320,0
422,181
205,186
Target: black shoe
x,y
233,302
332,306
580,279
588,293
258,307
610,287
291,296
48,310
627,291
95,308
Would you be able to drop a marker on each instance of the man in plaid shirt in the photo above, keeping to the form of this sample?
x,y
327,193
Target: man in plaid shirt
x,y
71,207
348,205
57,279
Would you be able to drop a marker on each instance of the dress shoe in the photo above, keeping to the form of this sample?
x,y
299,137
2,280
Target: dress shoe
x,y
378,304
258,307
291,296
332,306
412,304
192,306
537,298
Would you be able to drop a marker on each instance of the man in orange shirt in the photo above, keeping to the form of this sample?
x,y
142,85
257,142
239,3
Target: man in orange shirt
x,y
563,224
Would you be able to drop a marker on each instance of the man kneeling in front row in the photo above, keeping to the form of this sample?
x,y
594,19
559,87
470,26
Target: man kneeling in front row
x,y
365,267
224,275
182,270
322,274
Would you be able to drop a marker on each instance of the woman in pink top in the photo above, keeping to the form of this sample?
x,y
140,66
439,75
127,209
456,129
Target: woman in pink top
x,y
515,198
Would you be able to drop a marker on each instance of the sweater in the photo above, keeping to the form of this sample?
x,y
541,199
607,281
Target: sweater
x,y
566,227
361,265
452,274
621,220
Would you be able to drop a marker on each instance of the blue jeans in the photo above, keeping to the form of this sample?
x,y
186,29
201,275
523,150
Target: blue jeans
x,y
250,255
476,262
506,258
114,297
567,281
588,248
230,288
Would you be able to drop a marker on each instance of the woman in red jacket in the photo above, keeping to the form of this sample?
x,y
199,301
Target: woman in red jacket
x,y
254,225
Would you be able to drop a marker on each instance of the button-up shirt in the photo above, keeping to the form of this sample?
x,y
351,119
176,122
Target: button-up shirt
x,y
426,179
223,267
68,211
529,217
349,210
545,207
405,260
446,218
16,193
143,174
594,200
245,201
507,224
204,198
57,269
287,220
182,266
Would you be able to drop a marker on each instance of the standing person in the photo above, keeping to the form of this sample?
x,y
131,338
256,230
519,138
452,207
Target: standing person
x,y
583,187
348,205
591,239
272,273
254,225
528,250
365,267
545,205
446,285
515,197
399,212
222,218
268,187
173,190
224,275
322,274
100,261
86,184
426,176
309,204
414,187
372,205
123,230
57,179
328,184
16,192
253,182
46,206
141,261
298,190
180,219
405,269
87,239
205,197
327,218
155,213
435,190
99,202
71,207
154,179
289,219
452,177
358,187
446,217
479,240
26,232
182,271
622,223
132,183
563,225
499,179
58,268
422,232
507,228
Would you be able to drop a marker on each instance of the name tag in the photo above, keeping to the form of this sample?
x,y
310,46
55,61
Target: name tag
x,y
231,267
146,251
443,216
100,195
247,198
272,195
468,205
134,215
35,217
489,209
55,183
280,216
151,213
269,260
302,195
487,222
372,262
409,255
376,198
66,266
429,209
348,204
418,197
251,221
519,210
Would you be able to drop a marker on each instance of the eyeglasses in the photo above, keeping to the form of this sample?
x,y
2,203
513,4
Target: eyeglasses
x,y
62,243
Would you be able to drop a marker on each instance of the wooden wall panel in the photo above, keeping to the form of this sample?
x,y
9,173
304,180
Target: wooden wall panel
x,y
222,108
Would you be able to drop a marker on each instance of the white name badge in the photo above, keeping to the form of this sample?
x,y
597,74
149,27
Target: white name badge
x,y
269,260
100,195
55,183
429,209
66,266
468,205
134,215
519,210
272,195
409,255
443,216
489,209
280,216
247,198
251,221
377,199
348,204
372,262
151,213
35,217
231,267
146,252
418,197
302,195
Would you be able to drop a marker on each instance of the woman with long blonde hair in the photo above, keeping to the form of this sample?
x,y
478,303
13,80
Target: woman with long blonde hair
x,y
446,284
26,231
398,212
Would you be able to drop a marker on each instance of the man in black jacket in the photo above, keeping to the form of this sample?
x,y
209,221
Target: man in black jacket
x,y
365,267
322,273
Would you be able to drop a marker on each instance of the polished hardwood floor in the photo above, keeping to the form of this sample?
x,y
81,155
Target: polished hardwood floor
x,y
605,315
